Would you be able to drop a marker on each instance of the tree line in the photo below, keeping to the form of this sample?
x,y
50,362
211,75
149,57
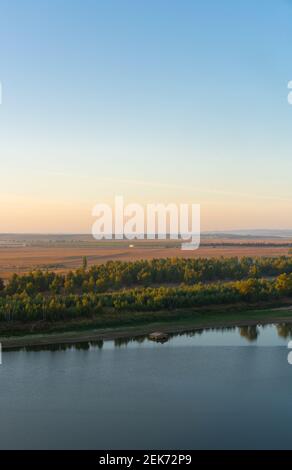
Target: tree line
x,y
32,307
115,275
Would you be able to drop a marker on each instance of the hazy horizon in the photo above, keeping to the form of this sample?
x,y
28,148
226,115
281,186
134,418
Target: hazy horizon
x,y
238,232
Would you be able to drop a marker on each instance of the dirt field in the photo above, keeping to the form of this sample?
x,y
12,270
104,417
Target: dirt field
x,y
20,255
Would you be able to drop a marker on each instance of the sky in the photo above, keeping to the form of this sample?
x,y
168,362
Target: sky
x,y
163,101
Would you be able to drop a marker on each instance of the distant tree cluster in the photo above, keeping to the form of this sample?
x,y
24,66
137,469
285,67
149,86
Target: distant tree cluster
x,y
117,274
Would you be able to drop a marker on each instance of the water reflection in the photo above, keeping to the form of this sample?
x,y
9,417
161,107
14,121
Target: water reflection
x,y
250,333
284,330
119,342
81,346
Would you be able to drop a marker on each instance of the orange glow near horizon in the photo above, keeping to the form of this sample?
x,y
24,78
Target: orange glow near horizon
x,y
32,215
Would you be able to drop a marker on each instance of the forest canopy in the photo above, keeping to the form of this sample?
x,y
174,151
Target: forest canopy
x,y
146,285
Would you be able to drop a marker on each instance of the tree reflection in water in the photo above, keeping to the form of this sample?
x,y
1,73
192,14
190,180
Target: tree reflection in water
x,y
249,332
284,330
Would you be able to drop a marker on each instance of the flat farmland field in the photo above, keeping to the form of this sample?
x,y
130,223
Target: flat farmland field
x,y
61,253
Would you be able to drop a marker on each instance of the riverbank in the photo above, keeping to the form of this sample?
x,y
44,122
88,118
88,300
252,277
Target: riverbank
x,y
197,321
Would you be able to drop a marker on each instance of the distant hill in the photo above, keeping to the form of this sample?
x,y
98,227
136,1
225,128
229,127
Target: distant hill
x,y
250,233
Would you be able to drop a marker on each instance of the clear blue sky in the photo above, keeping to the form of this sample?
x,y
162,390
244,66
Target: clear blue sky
x,y
158,100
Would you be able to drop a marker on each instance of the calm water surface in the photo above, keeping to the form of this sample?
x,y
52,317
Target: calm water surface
x,y
214,389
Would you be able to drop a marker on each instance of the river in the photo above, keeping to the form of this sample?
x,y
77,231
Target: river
x,y
213,389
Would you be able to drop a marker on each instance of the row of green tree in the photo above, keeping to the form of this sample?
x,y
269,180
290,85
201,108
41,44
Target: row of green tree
x,y
25,307
114,275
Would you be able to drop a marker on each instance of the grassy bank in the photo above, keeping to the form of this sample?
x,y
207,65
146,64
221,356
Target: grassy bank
x,y
131,325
